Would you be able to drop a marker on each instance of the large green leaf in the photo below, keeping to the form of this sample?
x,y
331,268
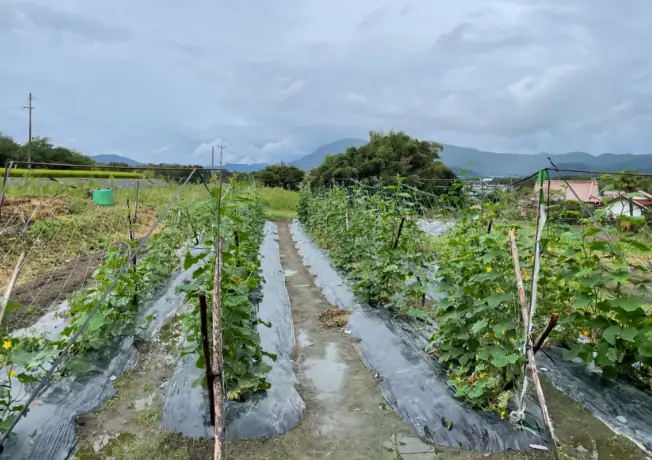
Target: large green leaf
x,y
479,325
628,304
610,334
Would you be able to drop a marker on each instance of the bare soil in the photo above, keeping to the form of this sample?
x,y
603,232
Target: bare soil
x,y
41,295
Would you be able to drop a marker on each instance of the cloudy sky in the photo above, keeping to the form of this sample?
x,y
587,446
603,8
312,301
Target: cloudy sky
x,y
162,80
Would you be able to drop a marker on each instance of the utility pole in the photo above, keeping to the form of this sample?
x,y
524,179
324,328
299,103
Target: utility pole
x,y
222,147
212,156
29,142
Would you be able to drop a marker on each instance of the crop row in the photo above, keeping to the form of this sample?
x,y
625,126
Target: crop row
x,y
600,295
71,173
240,223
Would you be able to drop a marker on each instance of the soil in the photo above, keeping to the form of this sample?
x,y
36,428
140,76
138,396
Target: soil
x,y
41,295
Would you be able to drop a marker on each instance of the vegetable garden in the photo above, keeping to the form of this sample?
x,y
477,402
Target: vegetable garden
x,y
136,258
591,275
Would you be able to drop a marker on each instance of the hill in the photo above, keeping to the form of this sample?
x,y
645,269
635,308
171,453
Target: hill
x,y
317,157
507,164
485,163
115,159
243,168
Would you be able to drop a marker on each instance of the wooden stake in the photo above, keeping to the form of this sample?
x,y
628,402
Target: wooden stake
x,y
12,283
217,352
531,363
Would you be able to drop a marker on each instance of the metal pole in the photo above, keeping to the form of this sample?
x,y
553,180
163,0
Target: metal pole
x,y
203,321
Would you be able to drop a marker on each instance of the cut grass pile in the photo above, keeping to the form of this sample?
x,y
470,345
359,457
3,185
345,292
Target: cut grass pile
x,y
76,173
278,203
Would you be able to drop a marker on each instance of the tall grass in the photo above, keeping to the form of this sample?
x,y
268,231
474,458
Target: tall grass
x,y
278,203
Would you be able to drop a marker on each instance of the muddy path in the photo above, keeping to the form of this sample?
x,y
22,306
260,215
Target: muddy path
x,y
42,295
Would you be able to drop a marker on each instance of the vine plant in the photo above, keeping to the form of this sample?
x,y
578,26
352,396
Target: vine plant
x,y
25,359
241,227
601,296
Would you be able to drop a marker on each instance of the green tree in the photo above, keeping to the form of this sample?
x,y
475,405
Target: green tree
x,y
281,175
385,157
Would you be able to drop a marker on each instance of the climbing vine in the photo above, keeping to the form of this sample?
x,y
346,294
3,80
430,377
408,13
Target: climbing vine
x,y
241,227
599,291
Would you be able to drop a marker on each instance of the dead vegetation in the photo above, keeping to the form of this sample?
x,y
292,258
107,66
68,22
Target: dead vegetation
x,y
334,317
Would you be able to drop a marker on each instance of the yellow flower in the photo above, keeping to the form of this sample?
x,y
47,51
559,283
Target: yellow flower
x,y
453,299
481,375
12,373
514,229
489,269
532,257
407,277
6,345
498,290
503,414
549,249
586,333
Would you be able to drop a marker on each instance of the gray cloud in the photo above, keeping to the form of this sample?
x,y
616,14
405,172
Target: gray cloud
x,y
162,80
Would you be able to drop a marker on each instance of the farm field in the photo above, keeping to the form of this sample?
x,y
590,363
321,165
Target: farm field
x,y
71,173
327,327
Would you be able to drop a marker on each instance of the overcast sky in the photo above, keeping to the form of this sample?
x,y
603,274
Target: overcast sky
x,y
162,80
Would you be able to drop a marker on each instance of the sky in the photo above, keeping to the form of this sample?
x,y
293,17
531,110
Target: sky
x,y
163,80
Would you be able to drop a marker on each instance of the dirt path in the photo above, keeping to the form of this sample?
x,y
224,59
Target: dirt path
x,y
346,417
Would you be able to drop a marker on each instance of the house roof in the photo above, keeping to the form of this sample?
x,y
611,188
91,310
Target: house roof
x,y
587,190
639,201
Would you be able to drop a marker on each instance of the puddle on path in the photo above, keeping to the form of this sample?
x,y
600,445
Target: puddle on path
x,y
303,339
289,272
327,375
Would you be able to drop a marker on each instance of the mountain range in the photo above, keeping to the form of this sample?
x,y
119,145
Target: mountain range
x,y
115,159
464,159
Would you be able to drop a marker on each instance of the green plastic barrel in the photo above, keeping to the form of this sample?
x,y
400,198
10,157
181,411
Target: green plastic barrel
x,y
103,197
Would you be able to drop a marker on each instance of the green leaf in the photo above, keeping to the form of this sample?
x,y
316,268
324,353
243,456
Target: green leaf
x,y
628,333
610,334
581,301
417,313
628,304
502,360
80,365
497,299
96,322
479,326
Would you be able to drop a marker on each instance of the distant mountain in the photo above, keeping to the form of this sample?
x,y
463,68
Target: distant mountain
x,y
470,162
115,159
507,164
242,168
317,157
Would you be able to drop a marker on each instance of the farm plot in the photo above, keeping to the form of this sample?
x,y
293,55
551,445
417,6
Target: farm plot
x,y
476,337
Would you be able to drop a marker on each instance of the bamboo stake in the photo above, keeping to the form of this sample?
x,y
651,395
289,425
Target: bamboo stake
x,y
217,335
531,364
12,283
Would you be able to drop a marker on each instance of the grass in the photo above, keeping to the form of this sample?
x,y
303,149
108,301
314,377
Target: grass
x,y
22,172
278,203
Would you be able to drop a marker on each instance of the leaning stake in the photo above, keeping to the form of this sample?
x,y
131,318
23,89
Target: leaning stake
x,y
12,282
531,364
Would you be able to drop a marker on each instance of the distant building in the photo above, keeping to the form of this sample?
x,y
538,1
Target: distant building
x,y
586,191
630,204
